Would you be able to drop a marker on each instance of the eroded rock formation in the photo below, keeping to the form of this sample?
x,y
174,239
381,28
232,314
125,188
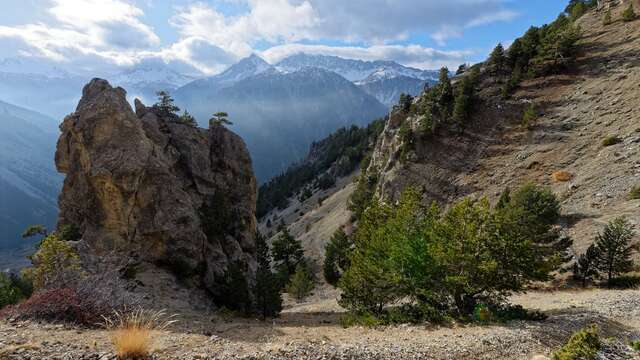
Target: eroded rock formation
x,y
147,189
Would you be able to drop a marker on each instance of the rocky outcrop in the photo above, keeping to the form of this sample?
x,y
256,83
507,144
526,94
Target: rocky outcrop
x,y
146,189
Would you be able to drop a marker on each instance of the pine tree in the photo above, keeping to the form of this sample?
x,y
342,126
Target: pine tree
x,y
165,105
336,257
268,300
497,60
220,119
287,254
615,248
301,284
586,267
188,119
445,93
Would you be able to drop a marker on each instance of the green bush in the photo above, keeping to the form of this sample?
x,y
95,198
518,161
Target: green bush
x,y
456,259
55,265
635,345
634,194
625,282
405,314
611,140
233,290
629,14
583,345
301,284
510,312
9,293
529,116
607,19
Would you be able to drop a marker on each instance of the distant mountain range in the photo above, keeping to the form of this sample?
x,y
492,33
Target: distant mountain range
x,y
279,109
29,182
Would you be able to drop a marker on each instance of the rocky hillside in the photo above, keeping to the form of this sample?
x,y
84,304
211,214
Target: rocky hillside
x,y
576,110
562,147
151,195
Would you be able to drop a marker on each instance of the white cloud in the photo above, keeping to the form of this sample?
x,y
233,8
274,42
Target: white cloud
x,y
113,31
106,28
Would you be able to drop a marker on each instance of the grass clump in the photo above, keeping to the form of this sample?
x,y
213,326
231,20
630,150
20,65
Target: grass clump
x,y
611,140
583,345
131,331
607,19
634,194
629,14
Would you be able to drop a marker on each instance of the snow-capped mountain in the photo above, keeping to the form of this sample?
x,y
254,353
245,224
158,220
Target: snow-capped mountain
x,y
385,80
279,114
145,79
353,70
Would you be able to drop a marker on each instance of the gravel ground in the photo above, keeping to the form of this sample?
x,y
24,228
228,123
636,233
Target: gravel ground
x,y
311,331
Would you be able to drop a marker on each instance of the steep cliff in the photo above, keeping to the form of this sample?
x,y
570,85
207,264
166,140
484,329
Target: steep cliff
x,y
149,192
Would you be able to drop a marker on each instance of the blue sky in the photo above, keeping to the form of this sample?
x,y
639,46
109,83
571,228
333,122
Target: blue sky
x,y
207,36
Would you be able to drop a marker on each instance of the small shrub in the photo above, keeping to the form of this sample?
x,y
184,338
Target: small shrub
x,y
583,345
562,176
625,282
607,19
517,312
634,194
57,305
56,265
10,294
629,14
131,331
611,140
529,116
365,319
635,345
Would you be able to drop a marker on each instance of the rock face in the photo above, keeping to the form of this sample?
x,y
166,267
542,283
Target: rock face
x,y
147,189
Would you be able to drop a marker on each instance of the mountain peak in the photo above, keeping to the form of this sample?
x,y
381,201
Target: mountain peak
x,y
247,67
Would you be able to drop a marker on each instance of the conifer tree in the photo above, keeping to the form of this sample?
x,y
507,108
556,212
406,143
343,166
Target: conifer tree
x,y
586,267
615,248
301,284
608,18
165,104
188,119
220,118
445,93
287,254
268,300
336,258
497,60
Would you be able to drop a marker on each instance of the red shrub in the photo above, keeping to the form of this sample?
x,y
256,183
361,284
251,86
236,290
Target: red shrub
x,y
58,305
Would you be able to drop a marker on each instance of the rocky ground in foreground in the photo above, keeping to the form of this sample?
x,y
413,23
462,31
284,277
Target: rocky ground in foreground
x,y
312,331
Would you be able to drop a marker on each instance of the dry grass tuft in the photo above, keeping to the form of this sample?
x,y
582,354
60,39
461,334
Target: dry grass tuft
x,y
562,176
131,331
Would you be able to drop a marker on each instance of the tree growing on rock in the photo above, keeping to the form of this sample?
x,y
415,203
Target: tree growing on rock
x,y
165,105
220,119
35,230
615,248
629,14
